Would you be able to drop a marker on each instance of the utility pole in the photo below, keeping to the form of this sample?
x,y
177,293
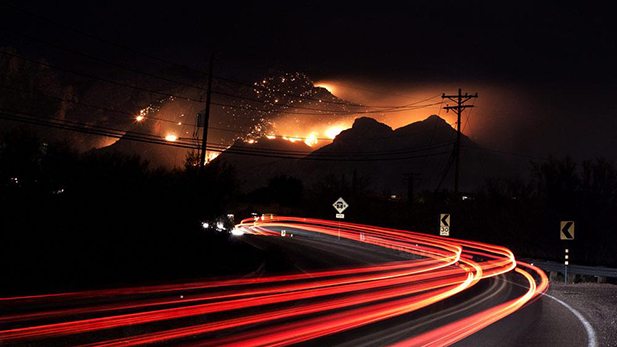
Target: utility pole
x,y
411,177
202,158
460,100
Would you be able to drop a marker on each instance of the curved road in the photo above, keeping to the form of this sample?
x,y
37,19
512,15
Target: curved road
x,y
544,322
324,283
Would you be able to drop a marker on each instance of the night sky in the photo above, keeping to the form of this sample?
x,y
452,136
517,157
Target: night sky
x,y
545,74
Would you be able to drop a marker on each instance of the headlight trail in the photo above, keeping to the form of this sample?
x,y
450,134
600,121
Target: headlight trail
x,y
288,308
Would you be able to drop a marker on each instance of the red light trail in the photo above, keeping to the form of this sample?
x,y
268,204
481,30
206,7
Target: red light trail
x,y
285,309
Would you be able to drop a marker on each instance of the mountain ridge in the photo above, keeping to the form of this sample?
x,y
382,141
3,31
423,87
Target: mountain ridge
x,y
378,153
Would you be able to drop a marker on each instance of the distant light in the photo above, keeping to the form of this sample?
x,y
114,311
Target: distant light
x,y
220,226
237,232
140,118
179,123
205,225
251,141
567,256
567,262
566,250
271,137
392,197
15,180
171,138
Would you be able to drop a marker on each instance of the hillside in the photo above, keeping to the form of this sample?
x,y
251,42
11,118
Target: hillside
x,y
378,154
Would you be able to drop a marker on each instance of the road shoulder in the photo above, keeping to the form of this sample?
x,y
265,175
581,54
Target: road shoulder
x,y
596,302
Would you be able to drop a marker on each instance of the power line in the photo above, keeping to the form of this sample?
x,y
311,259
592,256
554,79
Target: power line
x,y
132,115
187,146
145,73
376,91
289,154
153,139
119,112
158,59
182,97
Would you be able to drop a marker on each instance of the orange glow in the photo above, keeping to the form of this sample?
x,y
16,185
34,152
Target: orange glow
x,y
140,118
327,86
333,131
311,140
171,138
210,156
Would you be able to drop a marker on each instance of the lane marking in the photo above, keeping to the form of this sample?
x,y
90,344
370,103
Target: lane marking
x,y
591,334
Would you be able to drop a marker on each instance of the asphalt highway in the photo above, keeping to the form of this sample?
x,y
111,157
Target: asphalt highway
x,y
544,322
323,284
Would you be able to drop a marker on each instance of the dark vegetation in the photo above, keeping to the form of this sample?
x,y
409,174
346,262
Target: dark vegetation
x,y
80,220
73,220
522,214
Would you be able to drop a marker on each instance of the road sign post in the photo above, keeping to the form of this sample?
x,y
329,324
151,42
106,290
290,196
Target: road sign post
x,y
565,264
340,205
566,233
444,224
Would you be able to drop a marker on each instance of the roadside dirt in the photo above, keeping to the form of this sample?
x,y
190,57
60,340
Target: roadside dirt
x,y
596,302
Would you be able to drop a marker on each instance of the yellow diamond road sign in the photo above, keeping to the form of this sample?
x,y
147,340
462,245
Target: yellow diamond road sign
x,y
566,230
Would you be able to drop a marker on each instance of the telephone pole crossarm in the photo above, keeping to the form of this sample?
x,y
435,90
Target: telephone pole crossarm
x,y
460,99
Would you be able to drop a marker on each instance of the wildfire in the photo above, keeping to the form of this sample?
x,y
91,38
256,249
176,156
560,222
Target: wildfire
x,y
210,156
311,140
327,86
291,139
333,131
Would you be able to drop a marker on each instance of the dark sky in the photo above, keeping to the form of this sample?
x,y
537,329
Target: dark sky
x,y
547,73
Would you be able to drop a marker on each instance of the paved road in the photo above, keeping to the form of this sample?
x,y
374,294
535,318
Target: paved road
x,y
545,322
314,289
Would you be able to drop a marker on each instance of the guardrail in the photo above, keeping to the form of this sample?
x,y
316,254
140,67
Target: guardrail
x,y
598,271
